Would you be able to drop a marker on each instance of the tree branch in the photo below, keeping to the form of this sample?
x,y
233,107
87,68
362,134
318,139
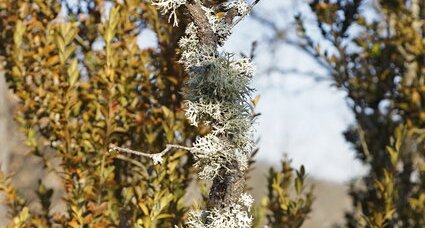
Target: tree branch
x,y
157,157
316,76
206,34
245,14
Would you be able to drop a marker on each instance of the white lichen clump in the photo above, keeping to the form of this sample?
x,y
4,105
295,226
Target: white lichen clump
x,y
218,26
217,97
242,7
217,94
232,216
169,7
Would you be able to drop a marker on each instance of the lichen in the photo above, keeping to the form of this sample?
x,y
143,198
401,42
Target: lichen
x,y
169,7
235,215
217,96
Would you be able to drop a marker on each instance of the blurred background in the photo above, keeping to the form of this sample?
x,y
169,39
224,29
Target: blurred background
x,y
303,115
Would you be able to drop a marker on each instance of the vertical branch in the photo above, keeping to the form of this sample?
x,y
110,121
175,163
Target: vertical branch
x,y
218,89
108,77
206,34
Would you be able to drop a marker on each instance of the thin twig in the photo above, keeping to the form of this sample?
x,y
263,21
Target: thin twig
x,y
280,36
245,14
314,75
265,22
157,157
363,142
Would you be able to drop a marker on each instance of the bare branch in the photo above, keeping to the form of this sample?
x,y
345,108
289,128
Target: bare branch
x,y
265,22
245,14
307,47
316,76
206,34
157,157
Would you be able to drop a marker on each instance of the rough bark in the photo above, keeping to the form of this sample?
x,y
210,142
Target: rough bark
x,y
230,181
226,186
206,34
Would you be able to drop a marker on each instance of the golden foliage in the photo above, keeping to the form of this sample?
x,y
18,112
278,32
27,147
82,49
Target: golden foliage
x,y
382,69
76,100
288,202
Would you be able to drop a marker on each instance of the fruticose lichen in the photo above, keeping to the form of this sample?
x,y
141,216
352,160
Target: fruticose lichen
x,y
218,95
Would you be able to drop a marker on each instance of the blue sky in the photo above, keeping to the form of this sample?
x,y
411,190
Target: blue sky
x,y
301,117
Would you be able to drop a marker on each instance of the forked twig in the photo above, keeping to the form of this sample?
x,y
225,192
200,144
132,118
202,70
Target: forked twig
x,y
157,157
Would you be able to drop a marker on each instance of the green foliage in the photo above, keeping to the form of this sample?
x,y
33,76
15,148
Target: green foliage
x,y
282,209
12,199
75,101
382,69
383,213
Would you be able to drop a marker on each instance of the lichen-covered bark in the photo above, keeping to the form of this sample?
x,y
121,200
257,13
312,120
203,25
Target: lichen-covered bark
x,y
217,96
206,34
229,184
226,187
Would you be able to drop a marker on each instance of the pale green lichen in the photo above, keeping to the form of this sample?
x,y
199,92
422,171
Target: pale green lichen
x,y
241,6
235,215
169,7
218,95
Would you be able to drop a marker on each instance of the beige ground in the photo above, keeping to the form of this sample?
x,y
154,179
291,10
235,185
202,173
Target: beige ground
x,y
331,199
6,135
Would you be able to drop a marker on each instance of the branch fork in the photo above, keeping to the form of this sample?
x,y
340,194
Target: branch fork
x,y
156,157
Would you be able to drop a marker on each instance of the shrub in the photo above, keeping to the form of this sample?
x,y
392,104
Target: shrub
x,y
85,87
382,69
